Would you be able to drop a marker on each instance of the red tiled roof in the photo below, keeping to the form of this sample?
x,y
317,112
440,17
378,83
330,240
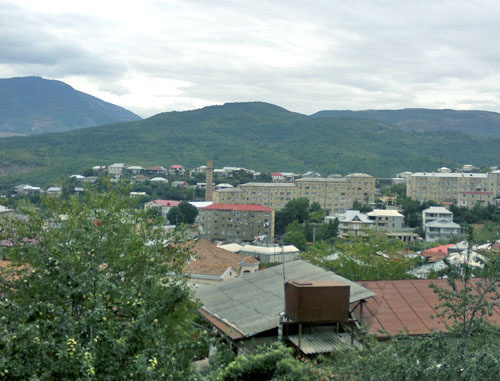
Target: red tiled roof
x,y
238,207
212,260
165,202
176,166
476,192
406,306
436,253
276,174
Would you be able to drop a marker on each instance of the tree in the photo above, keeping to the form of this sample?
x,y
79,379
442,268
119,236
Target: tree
x,y
92,298
360,259
467,301
183,213
274,362
297,209
295,236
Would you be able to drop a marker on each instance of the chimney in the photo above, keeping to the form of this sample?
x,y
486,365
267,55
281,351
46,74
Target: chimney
x,y
209,179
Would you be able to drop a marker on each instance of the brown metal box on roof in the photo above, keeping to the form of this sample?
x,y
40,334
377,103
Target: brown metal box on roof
x,y
317,301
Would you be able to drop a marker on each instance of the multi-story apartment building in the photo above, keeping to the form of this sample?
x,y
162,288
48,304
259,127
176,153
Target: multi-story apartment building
x,y
362,187
235,222
472,198
439,187
336,194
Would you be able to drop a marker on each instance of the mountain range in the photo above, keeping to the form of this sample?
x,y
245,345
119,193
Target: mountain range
x,y
34,105
477,123
254,135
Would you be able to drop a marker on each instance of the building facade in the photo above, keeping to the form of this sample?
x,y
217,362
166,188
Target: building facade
x,y
435,213
472,198
387,219
336,194
442,187
235,222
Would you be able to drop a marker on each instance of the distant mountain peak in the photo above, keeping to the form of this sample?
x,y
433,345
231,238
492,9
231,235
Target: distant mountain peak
x,y
33,105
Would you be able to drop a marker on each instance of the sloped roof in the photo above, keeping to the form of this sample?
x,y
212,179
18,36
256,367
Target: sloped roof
x,y
212,260
251,304
442,224
354,215
160,202
436,253
406,306
384,213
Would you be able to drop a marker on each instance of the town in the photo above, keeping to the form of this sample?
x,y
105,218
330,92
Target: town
x,y
248,229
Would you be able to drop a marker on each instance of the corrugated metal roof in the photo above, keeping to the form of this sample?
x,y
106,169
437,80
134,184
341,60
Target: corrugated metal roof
x,y
324,342
252,304
407,306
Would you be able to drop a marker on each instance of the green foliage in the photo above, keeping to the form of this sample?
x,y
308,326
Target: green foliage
x,y
476,215
255,135
295,236
362,208
363,259
184,213
468,301
294,210
434,357
274,362
93,299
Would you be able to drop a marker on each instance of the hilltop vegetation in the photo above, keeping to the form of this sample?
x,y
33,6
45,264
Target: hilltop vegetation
x,y
253,135
33,105
478,123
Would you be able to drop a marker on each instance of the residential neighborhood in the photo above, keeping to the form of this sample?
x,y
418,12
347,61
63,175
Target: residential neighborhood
x,y
257,246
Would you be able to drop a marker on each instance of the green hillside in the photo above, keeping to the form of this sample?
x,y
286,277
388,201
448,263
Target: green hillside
x,y
251,135
33,105
477,123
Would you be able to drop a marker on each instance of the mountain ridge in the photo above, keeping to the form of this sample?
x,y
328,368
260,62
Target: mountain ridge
x,y
249,135
473,122
35,105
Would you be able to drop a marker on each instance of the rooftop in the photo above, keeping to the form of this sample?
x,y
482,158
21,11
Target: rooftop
x,y
406,306
246,306
214,261
442,224
358,175
437,209
267,185
321,180
164,202
384,213
453,174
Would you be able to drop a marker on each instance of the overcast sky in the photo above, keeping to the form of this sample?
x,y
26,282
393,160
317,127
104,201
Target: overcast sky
x,y
152,56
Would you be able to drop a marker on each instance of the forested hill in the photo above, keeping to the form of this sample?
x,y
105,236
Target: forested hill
x,y
252,135
477,123
34,105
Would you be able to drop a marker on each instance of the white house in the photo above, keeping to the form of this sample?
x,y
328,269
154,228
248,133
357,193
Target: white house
x,y
116,169
387,219
353,222
441,229
436,213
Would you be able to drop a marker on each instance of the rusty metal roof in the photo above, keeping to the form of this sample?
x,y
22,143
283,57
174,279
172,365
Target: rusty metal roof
x,y
406,306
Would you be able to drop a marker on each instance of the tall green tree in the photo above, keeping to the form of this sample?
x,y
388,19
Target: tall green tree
x,y
183,213
90,296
